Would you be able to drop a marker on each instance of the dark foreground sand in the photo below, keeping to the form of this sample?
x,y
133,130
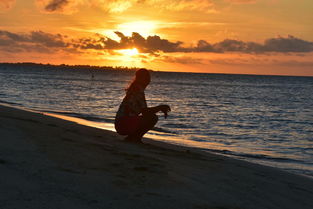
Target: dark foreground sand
x,y
47,162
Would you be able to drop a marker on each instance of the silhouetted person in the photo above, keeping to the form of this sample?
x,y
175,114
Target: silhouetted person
x,y
133,118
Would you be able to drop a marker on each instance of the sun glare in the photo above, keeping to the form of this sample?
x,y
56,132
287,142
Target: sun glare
x,y
128,52
144,28
128,57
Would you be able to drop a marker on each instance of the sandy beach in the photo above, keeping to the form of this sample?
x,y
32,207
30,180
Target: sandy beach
x,y
47,162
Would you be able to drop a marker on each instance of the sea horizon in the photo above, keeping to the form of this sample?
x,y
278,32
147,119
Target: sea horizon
x,y
133,68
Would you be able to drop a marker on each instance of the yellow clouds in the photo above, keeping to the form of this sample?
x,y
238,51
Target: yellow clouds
x,y
242,1
179,5
145,28
117,6
72,6
112,6
6,4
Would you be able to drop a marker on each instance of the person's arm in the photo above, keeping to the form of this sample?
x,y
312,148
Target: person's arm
x,y
160,108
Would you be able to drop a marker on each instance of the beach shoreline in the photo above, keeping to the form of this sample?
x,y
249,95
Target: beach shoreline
x,y
49,162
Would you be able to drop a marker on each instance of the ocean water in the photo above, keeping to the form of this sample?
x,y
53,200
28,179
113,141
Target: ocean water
x,y
263,119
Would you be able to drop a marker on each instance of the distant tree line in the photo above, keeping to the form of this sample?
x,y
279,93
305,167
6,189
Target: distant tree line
x,y
30,65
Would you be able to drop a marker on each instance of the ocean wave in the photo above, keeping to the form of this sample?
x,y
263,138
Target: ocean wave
x,y
163,130
179,126
255,156
10,103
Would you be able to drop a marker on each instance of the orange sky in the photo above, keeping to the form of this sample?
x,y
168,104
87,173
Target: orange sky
x,y
213,36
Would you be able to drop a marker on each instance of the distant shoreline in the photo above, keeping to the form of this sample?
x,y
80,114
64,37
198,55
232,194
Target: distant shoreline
x,y
68,67
124,68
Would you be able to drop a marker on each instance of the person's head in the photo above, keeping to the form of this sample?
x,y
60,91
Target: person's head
x,y
141,80
142,77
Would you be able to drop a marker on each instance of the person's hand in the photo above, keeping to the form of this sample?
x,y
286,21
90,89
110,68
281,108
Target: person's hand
x,y
165,109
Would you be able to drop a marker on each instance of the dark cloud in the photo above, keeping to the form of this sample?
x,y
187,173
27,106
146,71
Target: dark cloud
x,y
230,45
34,41
47,39
39,37
6,35
55,5
280,44
151,44
146,45
155,43
203,46
6,42
98,43
60,6
138,40
289,44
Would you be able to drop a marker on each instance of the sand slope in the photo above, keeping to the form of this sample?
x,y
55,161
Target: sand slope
x,y
47,162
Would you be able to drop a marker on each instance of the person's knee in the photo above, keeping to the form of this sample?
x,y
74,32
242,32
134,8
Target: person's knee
x,y
151,118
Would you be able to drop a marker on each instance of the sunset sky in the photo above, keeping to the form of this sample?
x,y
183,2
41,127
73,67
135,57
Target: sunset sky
x,y
212,36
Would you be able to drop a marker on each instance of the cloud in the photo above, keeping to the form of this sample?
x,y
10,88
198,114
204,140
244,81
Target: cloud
x,y
289,44
290,61
173,5
181,60
117,6
8,36
34,41
152,44
36,37
146,45
72,6
59,6
97,43
6,4
114,6
230,45
203,46
280,44
47,39
155,43
191,5
55,5
242,1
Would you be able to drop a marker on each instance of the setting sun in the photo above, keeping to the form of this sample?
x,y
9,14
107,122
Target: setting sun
x,y
128,52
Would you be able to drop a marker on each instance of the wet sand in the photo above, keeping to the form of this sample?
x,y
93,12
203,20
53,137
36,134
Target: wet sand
x,y
48,162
